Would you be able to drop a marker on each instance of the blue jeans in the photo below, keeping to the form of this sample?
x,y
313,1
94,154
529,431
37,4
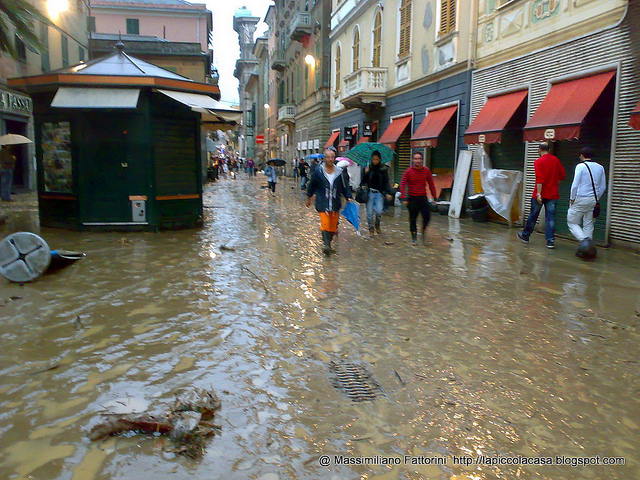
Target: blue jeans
x,y
303,182
549,218
374,206
6,179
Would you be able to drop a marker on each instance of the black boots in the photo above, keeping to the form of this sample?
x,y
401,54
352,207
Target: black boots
x,y
414,238
327,237
378,231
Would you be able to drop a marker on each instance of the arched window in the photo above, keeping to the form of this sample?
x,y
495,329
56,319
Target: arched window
x,y
338,61
404,48
377,39
356,50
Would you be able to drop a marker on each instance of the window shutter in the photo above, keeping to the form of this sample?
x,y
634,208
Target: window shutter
x,y
447,16
377,40
356,50
405,29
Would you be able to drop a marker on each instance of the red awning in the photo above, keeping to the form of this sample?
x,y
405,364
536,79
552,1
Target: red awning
x,y
394,130
364,139
635,117
332,139
431,127
562,111
493,118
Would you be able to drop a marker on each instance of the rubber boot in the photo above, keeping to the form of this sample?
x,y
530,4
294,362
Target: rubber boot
x,y
330,235
414,238
378,225
326,249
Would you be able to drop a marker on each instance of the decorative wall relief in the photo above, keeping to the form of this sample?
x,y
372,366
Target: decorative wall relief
x,y
425,60
402,72
511,22
428,16
543,9
489,32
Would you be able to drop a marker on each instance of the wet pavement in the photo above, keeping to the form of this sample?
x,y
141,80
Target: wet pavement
x,y
477,348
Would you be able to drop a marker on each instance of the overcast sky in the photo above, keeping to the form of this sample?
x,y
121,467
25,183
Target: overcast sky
x,y
225,40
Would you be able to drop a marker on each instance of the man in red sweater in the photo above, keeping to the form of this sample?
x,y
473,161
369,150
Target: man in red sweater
x,y
549,174
413,192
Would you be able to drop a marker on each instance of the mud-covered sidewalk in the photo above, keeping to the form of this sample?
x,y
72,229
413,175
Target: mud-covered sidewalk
x,y
475,357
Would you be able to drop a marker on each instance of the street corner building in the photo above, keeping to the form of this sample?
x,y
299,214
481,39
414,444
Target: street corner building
x,y
119,144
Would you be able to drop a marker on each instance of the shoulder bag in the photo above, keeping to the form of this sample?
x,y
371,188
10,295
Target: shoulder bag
x,y
596,209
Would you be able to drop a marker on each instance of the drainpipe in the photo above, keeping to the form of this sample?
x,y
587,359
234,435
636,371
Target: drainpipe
x,y
473,35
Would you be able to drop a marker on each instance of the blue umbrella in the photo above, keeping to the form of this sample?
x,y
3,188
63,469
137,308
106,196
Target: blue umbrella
x,y
314,156
351,212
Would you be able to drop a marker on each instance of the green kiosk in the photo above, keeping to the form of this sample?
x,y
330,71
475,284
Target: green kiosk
x,y
118,144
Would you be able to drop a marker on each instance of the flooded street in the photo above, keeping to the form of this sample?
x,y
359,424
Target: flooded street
x,y
476,345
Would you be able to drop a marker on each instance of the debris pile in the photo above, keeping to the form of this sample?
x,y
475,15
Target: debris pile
x,y
187,423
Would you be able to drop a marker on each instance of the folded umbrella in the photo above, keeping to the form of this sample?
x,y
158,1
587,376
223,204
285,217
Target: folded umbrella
x,y
351,212
343,162
361,153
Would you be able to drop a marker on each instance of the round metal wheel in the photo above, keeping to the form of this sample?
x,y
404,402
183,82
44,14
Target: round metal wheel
x,y
24,256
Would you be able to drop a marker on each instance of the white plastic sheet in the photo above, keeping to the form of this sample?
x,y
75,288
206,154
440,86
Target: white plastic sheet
x,y
500,186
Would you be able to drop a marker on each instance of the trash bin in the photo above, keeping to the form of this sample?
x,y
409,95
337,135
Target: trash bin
x,y
480,214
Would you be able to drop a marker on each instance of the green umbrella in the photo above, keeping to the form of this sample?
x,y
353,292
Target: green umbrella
x,y
361,153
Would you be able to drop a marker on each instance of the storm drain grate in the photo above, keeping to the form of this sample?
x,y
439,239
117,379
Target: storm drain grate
x,y
355,380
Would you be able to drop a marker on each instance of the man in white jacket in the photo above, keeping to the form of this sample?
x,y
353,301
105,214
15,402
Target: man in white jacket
x,y
583,197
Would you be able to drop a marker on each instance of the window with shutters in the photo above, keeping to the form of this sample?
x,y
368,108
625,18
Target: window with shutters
x,y
447,17
356,50
404,49
377,39
338,54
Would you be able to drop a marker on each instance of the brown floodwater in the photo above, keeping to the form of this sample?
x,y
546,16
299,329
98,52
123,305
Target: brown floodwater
x,y
480,346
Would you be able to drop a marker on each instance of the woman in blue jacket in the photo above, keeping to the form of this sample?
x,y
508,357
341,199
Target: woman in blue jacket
x,y
328,184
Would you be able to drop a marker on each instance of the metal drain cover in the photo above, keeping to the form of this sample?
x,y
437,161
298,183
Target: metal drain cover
x,y
354,380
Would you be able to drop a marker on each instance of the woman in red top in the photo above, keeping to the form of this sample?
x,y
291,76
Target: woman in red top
x,y
413,192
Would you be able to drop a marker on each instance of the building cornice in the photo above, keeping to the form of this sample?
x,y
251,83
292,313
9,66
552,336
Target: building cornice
x,y
355,13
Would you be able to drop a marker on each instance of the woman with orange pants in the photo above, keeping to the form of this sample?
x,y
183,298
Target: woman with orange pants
x,y
328,184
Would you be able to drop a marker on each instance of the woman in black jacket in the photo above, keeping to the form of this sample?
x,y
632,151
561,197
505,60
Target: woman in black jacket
x,y
376,178
328,184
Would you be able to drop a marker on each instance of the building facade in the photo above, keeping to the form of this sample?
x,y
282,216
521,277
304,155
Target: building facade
x,y
173,34
576,67
64,38
246,67
401,76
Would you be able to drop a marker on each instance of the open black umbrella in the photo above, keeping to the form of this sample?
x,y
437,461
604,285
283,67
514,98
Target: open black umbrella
x,y
277,162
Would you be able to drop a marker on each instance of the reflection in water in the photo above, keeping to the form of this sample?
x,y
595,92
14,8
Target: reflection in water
x,y
483,346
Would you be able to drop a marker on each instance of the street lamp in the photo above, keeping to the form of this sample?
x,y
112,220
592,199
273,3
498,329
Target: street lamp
x,y
310,60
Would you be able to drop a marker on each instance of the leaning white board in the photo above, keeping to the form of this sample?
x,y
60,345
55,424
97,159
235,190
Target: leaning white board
x,y
460,182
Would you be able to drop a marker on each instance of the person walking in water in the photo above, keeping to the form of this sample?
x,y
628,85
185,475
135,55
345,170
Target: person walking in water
x,y
413,193
328,184
376,178
272,178
7,164
549,173
589,183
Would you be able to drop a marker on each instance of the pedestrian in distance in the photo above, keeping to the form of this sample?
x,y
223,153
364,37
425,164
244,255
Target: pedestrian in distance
x,y
549,173
295,172
589,183
413,193
272,178
7,164
251,166
376,179
303,171
328,184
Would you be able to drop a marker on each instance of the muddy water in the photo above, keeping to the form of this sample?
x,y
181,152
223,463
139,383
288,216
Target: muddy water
x,y
481,345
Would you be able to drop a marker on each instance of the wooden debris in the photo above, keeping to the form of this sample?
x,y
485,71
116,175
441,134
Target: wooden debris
x,y
226,248
186,422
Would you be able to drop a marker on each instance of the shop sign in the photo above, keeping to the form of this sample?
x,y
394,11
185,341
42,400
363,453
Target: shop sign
x,y
550,133
12,103
481,138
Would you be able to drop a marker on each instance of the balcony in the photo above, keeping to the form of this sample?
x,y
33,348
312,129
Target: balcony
x,y
300,26
366,88
287,114
277,61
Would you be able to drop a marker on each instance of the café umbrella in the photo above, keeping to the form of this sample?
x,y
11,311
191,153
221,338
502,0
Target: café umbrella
x,y
13,139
